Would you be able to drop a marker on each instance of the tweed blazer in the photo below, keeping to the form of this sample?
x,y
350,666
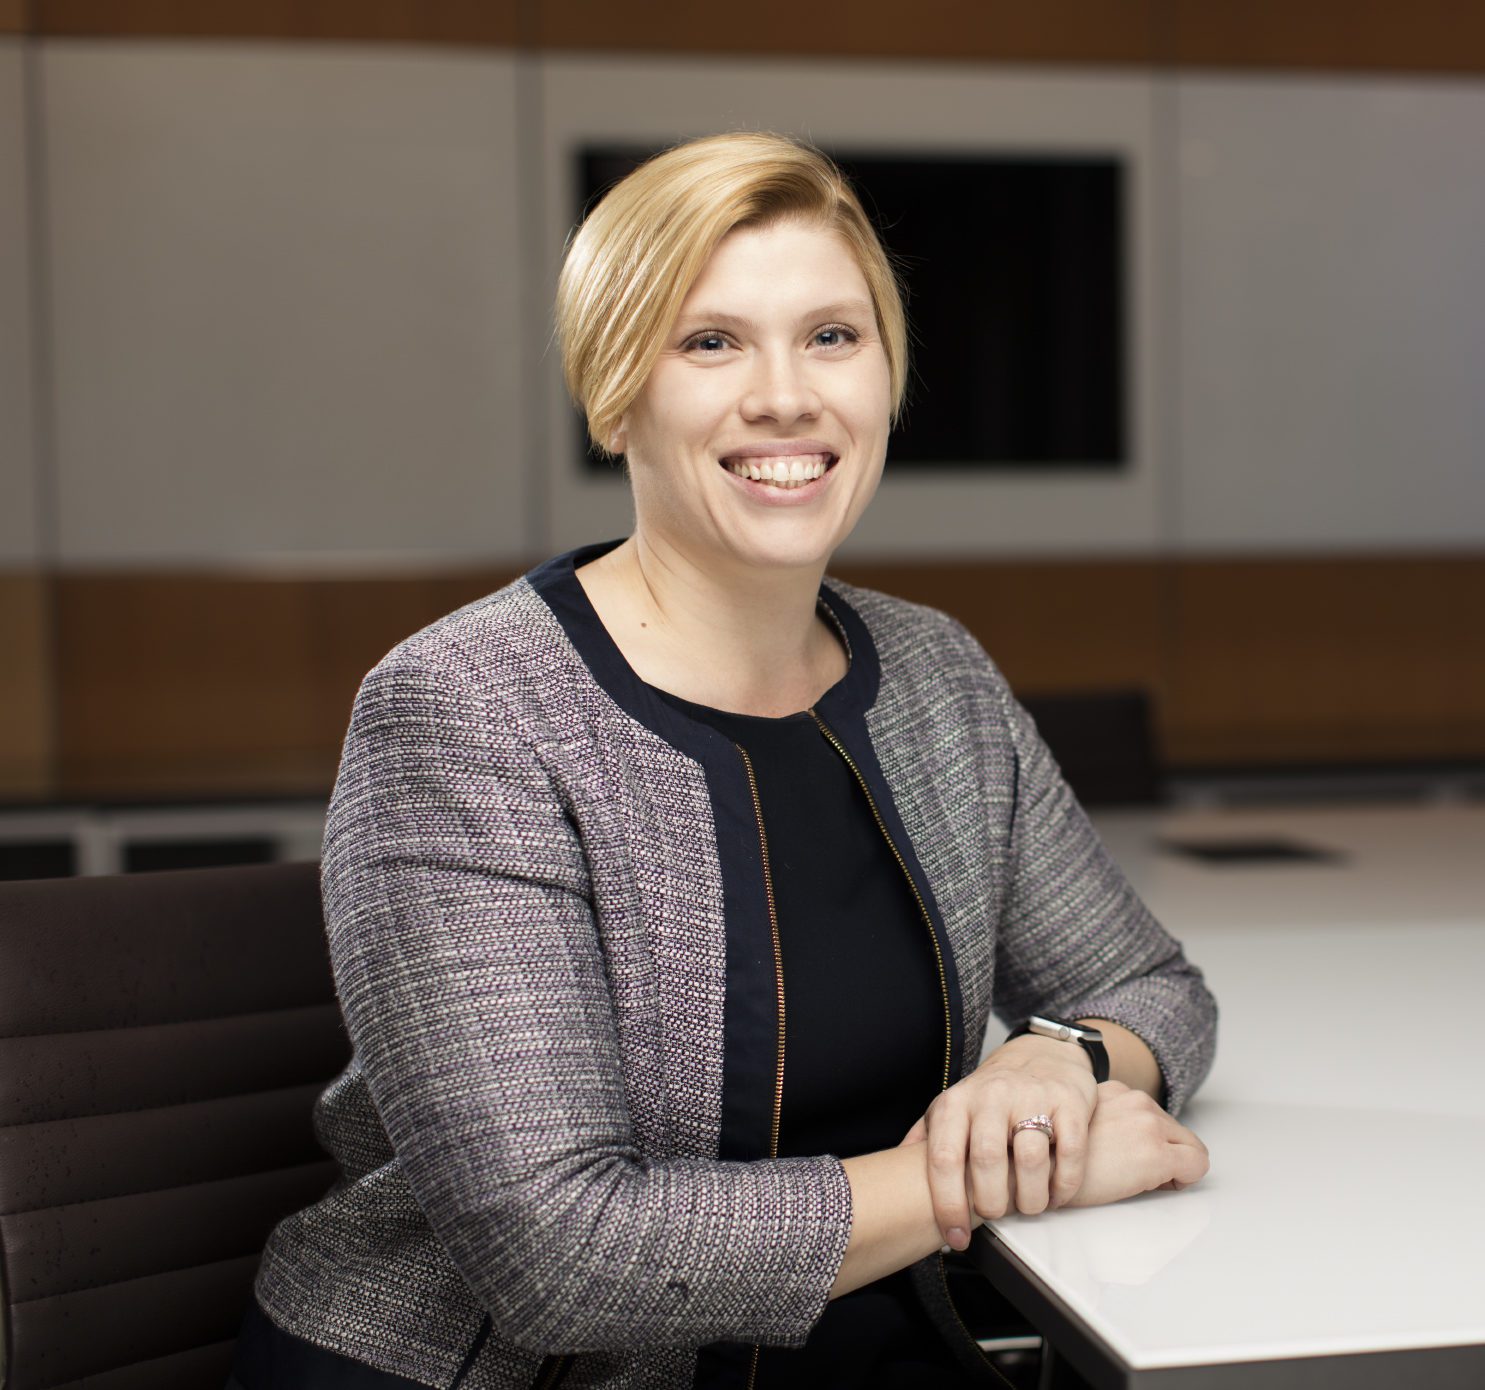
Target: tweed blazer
x,y
546,913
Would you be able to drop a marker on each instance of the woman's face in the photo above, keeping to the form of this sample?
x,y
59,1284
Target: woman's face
x,y
774,368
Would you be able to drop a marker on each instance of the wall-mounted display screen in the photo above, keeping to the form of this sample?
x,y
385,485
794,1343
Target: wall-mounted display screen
x,y
1014,266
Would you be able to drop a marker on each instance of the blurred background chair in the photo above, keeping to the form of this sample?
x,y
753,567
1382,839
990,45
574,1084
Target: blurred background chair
x,y
163,1038
1104,742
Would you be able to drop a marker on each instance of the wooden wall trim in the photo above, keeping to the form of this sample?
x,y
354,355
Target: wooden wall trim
x,y
1444,36
475,22
1075,31
1049,625
191,685
27,694
1319,659
1365,659
174,685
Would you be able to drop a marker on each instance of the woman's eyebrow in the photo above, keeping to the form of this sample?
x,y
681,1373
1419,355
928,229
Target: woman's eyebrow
x,y
715,318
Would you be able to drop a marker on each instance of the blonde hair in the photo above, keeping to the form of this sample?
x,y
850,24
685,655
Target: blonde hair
x,y
634,259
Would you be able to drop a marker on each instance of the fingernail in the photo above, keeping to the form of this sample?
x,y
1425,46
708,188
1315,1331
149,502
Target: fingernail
x,y
958,1237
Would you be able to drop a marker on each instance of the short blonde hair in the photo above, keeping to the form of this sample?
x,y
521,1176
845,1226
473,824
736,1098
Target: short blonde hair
x,y
634,259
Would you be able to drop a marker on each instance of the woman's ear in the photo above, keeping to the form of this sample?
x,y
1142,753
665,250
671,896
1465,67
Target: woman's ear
x,y
618,439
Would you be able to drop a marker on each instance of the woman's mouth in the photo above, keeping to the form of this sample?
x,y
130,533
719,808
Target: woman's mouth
x,y
785,471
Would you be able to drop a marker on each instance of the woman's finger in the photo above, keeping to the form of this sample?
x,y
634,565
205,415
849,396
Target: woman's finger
x,y
1070,1155
917,1134
990,1168
947,1142
1032,1151
1189,1162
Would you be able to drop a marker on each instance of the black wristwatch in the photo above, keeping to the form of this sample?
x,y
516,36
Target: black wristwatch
x,y
1089,1039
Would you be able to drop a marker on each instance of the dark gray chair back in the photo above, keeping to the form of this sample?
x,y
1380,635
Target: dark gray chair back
x,y
163,1038
1104,742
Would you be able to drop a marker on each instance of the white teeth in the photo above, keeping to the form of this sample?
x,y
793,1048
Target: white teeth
x,y
788,472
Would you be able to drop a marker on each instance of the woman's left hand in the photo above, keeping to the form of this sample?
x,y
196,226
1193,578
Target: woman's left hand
x,y
973,1120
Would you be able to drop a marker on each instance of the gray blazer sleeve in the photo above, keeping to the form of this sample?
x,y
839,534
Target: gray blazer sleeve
x,y
468,964
1075,940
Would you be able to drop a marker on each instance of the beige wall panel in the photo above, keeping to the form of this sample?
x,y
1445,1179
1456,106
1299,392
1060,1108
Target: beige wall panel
x,y
1078,31
1427,35
893,107
1332,313
26,694
403,21
20,542
286,304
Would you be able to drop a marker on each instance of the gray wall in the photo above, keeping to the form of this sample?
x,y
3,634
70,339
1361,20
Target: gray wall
x,y
297,301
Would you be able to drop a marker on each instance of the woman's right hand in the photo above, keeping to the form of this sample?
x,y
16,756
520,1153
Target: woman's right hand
x,y
1134,1146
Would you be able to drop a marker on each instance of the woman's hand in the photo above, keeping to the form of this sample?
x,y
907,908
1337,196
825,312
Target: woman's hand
x,y
1027,1076
1134,1146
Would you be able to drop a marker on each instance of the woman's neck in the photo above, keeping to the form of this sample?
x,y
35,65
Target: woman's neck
x,y
747,641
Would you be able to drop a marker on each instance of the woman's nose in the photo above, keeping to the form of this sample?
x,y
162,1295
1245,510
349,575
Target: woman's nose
x,y
779,389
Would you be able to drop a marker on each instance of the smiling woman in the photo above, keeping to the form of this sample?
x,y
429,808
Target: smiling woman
x,y
669,889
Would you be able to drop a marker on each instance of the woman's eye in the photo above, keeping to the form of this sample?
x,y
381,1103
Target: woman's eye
x,y
706,343
836,335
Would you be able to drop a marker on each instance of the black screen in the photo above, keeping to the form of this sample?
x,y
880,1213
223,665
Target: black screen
x,y
1014,272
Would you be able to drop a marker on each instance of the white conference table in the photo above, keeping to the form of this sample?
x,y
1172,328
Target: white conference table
x,y
1339,1238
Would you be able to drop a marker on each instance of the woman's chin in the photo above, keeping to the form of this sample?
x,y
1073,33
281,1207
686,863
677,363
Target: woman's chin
x,y
805,549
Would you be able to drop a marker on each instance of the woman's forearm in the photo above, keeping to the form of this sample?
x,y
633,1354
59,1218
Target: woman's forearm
x,y
892,1222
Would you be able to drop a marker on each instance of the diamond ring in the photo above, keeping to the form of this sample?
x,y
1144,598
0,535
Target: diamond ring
x,y
1042,1123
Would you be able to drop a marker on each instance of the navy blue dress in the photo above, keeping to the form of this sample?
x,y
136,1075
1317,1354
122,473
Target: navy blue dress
x,y
864,1036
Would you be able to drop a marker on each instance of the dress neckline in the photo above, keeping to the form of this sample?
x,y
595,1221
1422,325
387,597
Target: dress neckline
x,y
557,584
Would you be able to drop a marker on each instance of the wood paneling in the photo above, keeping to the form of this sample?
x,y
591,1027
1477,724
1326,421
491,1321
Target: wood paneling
x,y
1049,625
1343,35
25,688
387,21
196,685
1248,661
1313,660
182,685
1077,31
1337,35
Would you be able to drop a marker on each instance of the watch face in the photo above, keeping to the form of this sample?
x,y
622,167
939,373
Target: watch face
x,y
1067,1032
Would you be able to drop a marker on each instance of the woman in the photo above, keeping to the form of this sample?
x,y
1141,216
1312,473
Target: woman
x,y
665,875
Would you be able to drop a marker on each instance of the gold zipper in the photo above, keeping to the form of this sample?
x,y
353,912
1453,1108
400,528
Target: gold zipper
x,y
938,955
558,1364
778,975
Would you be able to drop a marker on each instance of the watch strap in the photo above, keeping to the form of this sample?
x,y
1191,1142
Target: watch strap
x,y
1098,1054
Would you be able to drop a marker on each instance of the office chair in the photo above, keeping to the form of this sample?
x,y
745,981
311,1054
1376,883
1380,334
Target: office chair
x,y
1104,742
163,1038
